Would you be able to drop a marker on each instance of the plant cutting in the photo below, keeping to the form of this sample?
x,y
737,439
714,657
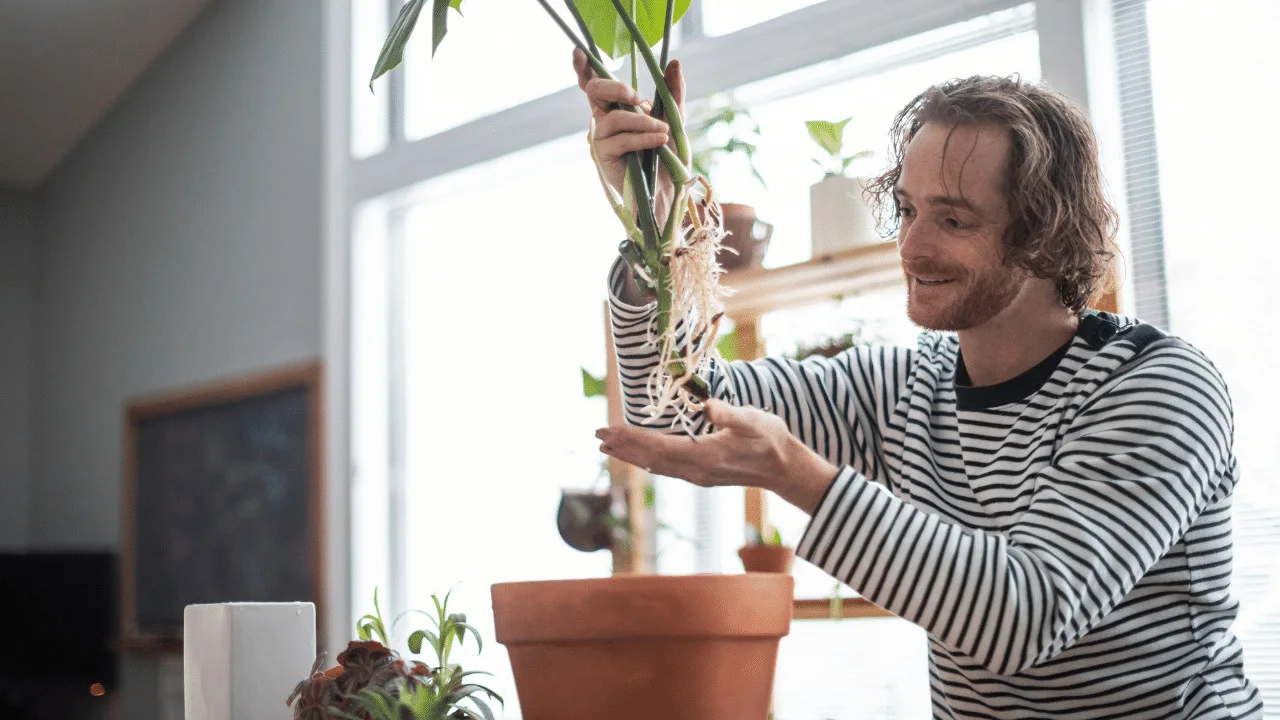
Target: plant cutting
x,y
765,552
840,216
373,682
673,256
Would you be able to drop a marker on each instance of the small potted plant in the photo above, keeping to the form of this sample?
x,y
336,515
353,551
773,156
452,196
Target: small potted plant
x,y
765,553
373,682
840,216
724,129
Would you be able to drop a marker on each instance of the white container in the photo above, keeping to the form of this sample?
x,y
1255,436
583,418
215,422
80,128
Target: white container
x,y
840,218
241,660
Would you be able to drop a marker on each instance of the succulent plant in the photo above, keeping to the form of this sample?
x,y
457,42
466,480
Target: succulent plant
x,y
372,682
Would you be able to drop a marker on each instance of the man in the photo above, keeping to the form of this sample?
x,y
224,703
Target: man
x,y
1044,489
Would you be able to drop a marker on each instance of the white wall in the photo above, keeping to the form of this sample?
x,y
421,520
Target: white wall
x,y
181,244
18,222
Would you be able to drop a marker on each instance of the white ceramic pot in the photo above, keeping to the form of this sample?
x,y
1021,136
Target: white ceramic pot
x,y
840,217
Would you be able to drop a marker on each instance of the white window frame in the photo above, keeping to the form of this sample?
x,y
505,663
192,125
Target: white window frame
x,y
1076,57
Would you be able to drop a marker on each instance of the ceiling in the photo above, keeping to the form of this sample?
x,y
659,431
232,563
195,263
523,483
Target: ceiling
x,y
63,63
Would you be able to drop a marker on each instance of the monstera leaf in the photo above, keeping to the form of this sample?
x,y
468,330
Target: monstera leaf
x,y
610,32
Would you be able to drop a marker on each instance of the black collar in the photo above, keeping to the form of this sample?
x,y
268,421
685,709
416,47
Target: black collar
x,y
1095,328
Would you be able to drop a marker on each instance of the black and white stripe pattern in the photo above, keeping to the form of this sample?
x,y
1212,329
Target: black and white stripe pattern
x,y
1063,538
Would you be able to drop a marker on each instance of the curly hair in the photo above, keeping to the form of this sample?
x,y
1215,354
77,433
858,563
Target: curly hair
x,y
1063,227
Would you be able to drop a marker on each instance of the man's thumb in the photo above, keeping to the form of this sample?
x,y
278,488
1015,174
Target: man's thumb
x,y
723,415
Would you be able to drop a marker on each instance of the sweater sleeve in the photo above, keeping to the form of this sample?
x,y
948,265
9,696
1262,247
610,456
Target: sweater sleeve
x,y
837,406
1142,459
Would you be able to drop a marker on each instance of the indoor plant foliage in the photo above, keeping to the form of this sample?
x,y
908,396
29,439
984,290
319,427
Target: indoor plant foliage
x,y
372,681
721,130
841,217
765,552
675,256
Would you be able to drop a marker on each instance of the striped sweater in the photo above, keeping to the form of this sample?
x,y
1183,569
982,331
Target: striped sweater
x,y
1064,538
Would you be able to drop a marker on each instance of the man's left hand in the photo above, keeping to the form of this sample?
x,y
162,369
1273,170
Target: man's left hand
x,y
750,448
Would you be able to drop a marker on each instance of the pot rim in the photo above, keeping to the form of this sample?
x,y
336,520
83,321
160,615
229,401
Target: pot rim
x,y
743,606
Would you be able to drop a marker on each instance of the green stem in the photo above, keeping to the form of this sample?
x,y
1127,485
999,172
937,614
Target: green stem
x,y
592,50
664,92
651,158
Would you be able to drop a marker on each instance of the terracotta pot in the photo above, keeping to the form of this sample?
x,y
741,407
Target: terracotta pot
x,y
748,235
767,558
642,647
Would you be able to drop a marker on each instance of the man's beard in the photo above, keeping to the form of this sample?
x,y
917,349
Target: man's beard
x,y
986,294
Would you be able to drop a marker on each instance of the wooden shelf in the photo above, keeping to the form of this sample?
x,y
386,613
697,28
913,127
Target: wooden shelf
x,y
849,608
759,291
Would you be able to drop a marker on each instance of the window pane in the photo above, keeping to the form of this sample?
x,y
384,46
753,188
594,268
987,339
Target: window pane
x,y
721,17
870,669
501,54
505,290
853,86
1221,254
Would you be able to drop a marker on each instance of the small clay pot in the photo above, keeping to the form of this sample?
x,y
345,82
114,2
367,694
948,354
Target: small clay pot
x,y
644,647
582,520
747,235
767,558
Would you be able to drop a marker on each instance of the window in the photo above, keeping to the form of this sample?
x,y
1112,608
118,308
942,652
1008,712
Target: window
x,y
721,17
1216,184
493,261
498,56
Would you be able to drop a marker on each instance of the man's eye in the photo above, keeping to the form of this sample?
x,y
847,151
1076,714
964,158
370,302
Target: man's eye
x,y
954,224
905,212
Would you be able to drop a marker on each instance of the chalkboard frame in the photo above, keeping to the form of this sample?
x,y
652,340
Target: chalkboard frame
x,y
306,376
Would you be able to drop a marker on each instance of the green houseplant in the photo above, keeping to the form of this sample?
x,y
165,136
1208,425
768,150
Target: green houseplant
x,y
765,551
720,131
373,682
685,243
839,214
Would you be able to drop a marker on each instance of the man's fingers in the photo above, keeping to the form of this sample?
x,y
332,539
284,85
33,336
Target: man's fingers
x,y
623,143
671,455
602,93
675,81
723,415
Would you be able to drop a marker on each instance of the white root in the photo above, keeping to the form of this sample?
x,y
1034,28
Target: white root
x,y
696,309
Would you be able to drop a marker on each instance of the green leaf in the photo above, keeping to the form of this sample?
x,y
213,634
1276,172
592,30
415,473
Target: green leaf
x,y
592,386
463,628
393,48
611,34
415,640
650,495
829,135
727,346
776,538
439,23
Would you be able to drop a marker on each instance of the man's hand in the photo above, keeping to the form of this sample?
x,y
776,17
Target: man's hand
x,y
750,448
618,132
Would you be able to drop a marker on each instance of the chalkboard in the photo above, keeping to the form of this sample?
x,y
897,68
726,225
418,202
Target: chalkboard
x,y
223,500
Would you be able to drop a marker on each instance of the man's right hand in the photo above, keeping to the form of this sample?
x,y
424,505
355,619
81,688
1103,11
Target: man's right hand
x,y
618,132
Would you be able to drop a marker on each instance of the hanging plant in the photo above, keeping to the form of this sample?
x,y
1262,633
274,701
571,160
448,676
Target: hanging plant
x,y
672,256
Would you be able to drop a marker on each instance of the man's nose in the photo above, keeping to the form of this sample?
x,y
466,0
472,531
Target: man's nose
x,y
914,240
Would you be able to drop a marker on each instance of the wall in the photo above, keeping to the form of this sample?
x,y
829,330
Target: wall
x,y
181,243
18,225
